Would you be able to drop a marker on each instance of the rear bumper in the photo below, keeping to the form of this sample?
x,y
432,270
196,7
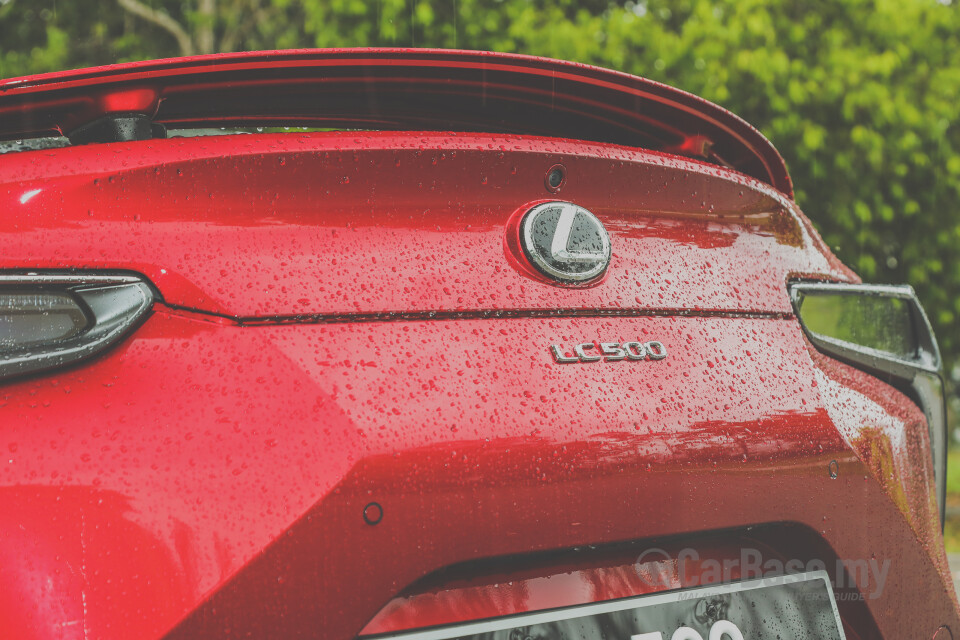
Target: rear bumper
x,y
212,479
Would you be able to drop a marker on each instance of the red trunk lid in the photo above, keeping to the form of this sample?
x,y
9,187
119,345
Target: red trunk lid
x,y
256,226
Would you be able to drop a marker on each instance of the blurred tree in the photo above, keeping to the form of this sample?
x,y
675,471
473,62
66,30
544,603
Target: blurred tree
x,y
861,96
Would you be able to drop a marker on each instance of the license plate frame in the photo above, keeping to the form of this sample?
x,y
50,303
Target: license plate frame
x,y
760,589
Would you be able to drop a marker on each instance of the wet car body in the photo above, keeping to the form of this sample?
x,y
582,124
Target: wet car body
x,y
342,415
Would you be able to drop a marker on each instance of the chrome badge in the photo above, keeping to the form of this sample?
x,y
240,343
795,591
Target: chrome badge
x,y
565,242
610,352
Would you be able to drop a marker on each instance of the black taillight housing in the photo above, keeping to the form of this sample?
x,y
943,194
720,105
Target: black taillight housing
x,y
50,320
881,329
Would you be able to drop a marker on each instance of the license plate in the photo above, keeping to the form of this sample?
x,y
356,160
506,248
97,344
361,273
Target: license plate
x,y
798,607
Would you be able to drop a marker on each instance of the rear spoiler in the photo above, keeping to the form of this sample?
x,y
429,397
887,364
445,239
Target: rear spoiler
x,y
386,89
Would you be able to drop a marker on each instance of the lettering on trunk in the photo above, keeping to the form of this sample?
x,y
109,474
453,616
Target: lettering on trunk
x,y
608,352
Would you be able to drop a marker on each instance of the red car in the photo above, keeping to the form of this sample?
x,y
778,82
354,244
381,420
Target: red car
x,y
430,344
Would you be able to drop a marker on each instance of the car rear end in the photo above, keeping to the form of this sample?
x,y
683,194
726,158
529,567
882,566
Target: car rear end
x,y
306,382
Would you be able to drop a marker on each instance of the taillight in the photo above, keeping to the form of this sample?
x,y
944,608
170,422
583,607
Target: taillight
x,y
51,320
883,330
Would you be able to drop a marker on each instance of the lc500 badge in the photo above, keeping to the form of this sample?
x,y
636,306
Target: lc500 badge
x,y
610,352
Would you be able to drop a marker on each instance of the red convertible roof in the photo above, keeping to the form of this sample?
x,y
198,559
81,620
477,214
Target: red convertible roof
x,y
395,89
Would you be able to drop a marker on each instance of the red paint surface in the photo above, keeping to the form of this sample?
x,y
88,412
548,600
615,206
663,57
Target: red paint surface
x,y
289,224
194,446
208,479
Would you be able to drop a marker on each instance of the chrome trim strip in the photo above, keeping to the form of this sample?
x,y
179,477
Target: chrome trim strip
x,y
67,279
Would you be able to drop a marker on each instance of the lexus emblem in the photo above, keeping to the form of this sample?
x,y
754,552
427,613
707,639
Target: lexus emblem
x,y
565,242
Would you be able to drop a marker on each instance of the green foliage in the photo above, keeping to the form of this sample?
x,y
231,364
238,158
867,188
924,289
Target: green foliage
x,y
860,96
